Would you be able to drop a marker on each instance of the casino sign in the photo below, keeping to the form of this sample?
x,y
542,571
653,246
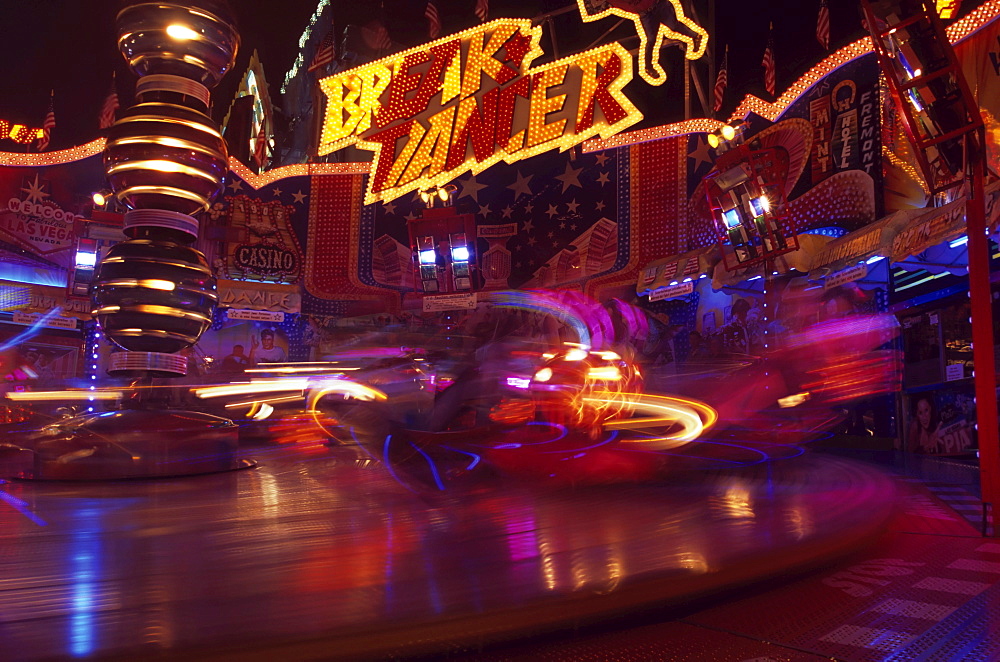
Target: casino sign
x,y
266,260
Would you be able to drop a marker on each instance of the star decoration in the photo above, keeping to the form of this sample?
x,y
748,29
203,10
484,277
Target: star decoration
x,y
552,211
552,234
572,205
529,225
520,185
35,191
600,205
411,216
701,154
236,185
562,226
571,177
573,227
528,208
484,210
602,158
507,211
531,242
389,207
299,196
276,192
603,178
471,188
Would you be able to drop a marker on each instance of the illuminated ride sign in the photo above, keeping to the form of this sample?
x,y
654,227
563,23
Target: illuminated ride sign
x,y
656,21
19,133
470,100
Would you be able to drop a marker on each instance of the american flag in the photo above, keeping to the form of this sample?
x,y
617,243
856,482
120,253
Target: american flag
x,y
482,9
768,62
720,81
376,36
325,52
47,125
823,25
433,21
260,149
107,116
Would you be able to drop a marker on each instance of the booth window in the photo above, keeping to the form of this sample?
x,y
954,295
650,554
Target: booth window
x,y
922,349
956,331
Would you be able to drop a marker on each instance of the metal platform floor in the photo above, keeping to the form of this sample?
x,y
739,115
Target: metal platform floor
x,y
318,553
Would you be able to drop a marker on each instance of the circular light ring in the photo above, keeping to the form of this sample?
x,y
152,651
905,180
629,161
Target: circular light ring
x,y
154,296
165,156
134,296
166,141
150,284
171,113
191,271
177,84
182,338
148,48
145,362
160,218
163,197
145,333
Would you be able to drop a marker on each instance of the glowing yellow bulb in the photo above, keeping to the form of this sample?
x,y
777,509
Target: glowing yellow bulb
x,y
728,132
713,140
181,32
157,284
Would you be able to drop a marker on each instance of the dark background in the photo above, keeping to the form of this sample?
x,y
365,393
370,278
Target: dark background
x,y
68,47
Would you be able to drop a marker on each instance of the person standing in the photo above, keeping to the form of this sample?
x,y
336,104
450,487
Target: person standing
x,y
235,363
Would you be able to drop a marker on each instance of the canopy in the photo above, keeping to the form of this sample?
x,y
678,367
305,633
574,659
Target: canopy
x,y
912,239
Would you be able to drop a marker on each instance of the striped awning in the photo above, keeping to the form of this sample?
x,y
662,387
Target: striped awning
x,y
677,269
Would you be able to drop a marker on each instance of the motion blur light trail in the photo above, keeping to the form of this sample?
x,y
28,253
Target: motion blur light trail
x,y
693,417
31,331
589,320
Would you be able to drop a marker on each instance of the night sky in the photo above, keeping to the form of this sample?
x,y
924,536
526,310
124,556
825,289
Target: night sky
x,y
69,46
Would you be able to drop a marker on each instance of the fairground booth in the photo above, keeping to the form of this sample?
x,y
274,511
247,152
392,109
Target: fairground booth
x,y
530,173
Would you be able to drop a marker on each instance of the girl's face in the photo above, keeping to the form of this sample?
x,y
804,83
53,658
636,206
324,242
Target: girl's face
x,y
924,413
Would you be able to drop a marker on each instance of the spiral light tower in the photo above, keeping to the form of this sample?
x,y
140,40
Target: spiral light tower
x,y
166,161
154,293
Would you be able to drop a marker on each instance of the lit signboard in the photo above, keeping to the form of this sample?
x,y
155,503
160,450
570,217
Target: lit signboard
x,y
19,133
656,22
465,102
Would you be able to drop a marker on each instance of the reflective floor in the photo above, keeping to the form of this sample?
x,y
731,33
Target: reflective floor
x,y
319,552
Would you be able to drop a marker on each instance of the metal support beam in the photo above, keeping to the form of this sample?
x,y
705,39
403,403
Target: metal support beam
x,y
983,352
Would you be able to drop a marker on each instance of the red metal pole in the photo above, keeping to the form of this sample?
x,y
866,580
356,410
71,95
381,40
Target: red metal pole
x,y
982,327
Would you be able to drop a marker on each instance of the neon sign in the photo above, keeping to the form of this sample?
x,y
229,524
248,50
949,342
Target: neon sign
x,y
19,133
655,21
470,100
